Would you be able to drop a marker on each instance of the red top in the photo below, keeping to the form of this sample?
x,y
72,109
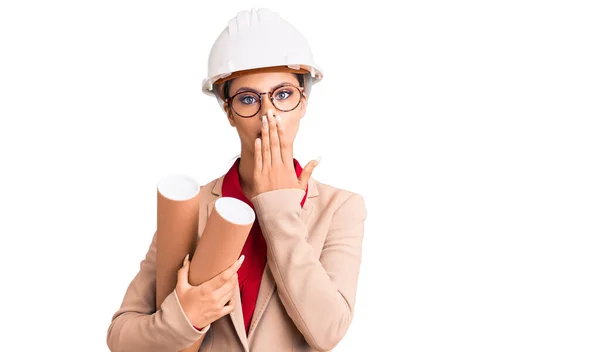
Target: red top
x,y
255,248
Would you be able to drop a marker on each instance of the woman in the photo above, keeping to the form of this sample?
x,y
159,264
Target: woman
x,y
293,288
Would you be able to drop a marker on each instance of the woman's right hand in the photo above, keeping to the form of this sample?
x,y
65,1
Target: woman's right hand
x,y
211,300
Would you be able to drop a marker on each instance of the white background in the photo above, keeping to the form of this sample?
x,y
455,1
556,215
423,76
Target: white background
x,y
471,129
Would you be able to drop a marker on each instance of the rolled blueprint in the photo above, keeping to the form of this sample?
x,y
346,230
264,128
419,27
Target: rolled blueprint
x,y
222,240
220,244
177,229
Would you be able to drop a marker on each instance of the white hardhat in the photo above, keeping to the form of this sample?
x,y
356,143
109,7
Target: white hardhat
x,y
258,39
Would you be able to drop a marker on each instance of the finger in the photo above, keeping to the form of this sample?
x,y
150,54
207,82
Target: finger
x,y
183,273
226,291
307,172
222,278
266,151
226,299
227,286
257,156
286,152
274,138
227,309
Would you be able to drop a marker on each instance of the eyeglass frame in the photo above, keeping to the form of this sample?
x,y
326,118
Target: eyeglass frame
x,y
270,94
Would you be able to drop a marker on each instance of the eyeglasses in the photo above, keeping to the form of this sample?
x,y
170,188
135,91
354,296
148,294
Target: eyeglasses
x,y
247,103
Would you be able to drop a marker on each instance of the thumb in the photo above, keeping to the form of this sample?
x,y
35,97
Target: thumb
x,y
183,273
307,172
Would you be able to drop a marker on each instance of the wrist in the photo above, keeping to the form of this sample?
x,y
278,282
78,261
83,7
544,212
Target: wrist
x,y
277,201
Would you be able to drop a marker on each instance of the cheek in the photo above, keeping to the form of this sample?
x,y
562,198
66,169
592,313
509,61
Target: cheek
x,y
245,128
291,118
290,128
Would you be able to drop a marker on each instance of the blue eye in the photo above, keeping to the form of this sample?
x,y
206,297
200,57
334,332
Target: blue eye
x,y
283,94
247,99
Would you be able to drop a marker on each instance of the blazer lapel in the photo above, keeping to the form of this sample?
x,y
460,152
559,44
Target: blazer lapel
x,y
267,287
237,318
267,283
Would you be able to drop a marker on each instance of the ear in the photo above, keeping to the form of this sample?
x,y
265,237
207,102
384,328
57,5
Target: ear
x,y
229,115
231,120
302,106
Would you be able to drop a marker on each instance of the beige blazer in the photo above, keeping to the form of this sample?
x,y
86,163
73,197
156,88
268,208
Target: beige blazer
x,y
307,293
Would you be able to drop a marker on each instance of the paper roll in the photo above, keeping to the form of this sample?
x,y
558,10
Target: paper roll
x,y
177,229
222,240
221,243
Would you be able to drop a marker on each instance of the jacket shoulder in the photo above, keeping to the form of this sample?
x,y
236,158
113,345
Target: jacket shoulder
x,y
208,186
335,197
209,190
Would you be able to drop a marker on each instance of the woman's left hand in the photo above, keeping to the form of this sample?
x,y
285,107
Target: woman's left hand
x,y
273,160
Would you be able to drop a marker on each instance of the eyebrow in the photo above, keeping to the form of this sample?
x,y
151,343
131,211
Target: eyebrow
x,y
244,89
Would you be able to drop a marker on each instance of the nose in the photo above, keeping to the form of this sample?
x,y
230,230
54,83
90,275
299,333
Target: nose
x,y
266,104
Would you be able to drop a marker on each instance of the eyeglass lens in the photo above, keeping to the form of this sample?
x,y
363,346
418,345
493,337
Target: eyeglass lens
x,y
248,103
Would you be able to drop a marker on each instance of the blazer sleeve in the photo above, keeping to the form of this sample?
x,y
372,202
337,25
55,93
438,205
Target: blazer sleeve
x,y
318,293
138,326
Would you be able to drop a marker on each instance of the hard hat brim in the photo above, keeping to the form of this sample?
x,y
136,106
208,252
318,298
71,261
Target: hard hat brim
x,y
260,70
209,88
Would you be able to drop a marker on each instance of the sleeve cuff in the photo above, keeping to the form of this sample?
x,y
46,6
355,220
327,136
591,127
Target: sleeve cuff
x,y
203,330
173,314
278,201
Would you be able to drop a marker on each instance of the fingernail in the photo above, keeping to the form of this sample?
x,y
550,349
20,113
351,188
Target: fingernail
x,y
187,259
319,159
264,120
241,260
278,119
